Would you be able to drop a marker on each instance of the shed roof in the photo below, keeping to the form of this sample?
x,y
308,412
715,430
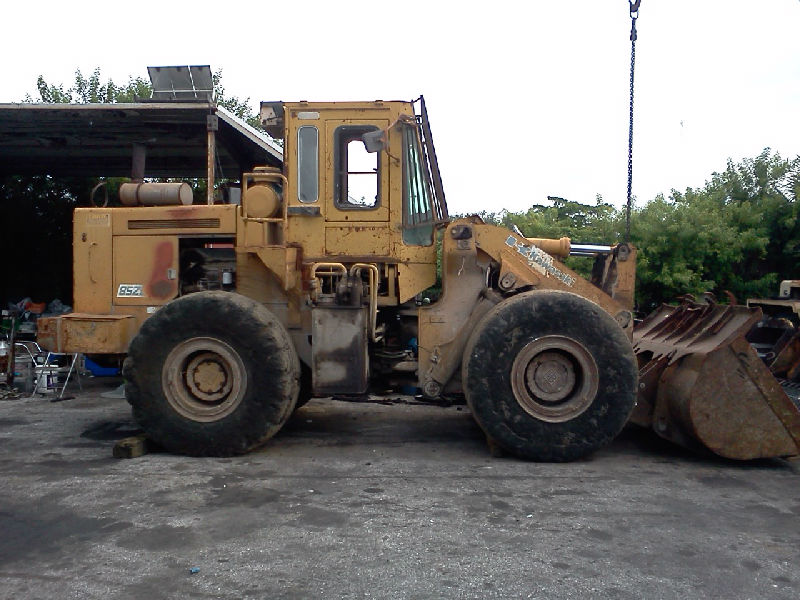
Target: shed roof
x,y
96,140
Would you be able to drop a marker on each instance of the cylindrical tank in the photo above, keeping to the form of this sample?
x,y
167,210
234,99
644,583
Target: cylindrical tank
x,y
155,194
262,201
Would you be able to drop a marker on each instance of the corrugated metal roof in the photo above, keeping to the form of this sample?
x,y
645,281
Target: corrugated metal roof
x,y
97,140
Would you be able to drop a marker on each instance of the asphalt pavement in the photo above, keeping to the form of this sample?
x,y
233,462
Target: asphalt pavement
x,y
379,500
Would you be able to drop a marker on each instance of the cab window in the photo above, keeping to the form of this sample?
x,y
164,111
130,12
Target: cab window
x,y
417,214
307,164
356,171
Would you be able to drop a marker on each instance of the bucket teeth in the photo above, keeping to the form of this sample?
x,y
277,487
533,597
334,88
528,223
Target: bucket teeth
x,y
702,385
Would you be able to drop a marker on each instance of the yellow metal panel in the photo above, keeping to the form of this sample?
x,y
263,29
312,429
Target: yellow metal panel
x,y
306,230
195,219
308,233
258,281
357,239
625,288
348,110
443,325
416,254
254,236
91,247
139,313
417,267
87,333
283,263
145,270
414,278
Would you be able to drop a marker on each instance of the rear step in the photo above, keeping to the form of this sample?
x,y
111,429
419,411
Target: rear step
x,y
703,386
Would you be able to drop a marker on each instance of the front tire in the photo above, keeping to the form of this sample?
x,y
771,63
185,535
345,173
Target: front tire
x,y
549,376
212,374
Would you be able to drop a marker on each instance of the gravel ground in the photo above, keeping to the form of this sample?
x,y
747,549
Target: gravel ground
x,y
366,500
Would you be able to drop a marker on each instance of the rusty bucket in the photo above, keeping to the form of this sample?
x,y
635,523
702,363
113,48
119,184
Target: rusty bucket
x,y
703,386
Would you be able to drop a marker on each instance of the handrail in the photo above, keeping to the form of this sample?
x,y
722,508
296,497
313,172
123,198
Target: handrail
x,y
374,274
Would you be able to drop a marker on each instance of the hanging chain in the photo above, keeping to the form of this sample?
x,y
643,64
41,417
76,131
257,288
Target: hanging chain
x,y
634,10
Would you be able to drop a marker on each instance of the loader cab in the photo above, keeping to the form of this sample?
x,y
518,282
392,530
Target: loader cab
x,y
361,187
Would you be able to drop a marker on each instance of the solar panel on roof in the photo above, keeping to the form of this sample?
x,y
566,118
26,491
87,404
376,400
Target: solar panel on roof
x,y
182,83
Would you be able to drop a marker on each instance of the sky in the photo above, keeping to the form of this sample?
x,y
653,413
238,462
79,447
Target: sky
x,y
526,99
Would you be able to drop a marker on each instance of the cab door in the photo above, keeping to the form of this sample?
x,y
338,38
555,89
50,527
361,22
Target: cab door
x,y
356,191
357,181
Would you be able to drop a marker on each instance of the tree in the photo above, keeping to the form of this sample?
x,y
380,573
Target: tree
x,y
596,224
36,236
739,232
91,90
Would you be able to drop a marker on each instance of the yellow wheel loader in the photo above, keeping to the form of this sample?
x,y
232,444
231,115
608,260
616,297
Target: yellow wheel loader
x,y
232,315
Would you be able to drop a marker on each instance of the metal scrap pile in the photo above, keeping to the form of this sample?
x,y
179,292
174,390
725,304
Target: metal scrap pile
x,y
8,393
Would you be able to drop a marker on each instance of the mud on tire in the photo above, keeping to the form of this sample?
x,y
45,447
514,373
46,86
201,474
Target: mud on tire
x,y
212,374
549,376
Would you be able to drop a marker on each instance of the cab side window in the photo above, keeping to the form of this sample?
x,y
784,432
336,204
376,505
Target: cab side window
x,y
418,219
307,164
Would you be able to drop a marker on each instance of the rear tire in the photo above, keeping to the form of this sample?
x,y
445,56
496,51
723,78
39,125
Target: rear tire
x,y
549,376
212,374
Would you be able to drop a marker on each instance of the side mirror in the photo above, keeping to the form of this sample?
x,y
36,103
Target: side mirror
x,y
374,141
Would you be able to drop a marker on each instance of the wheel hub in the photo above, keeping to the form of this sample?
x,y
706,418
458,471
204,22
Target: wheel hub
x,y
554,378
208,377
551,376
204,379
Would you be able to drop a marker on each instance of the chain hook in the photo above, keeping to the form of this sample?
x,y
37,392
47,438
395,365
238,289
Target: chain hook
x,y
634,6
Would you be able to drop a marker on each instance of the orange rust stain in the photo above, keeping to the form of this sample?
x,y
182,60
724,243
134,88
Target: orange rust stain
x,y
160,286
